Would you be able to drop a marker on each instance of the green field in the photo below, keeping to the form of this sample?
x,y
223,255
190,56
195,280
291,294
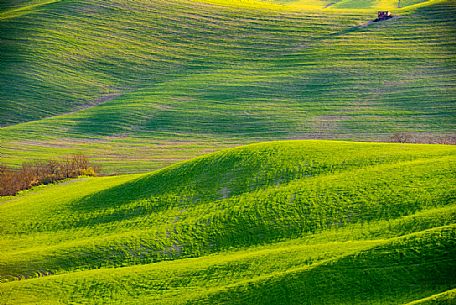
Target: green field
x,y
241,154
297,222
138,85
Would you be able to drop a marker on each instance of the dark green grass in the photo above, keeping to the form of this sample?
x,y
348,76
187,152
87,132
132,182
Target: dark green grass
x,y
153,84
381,272
444,298
388,274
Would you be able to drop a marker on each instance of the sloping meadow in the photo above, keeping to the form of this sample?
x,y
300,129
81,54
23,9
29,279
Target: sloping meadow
x,y
254,224
138,85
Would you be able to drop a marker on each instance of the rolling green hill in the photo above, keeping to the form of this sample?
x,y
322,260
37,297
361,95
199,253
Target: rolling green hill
x,y
314,222
138,85
168,92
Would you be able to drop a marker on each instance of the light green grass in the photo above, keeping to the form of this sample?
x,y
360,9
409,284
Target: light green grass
x,y
444,298
254,224
248,277
14,8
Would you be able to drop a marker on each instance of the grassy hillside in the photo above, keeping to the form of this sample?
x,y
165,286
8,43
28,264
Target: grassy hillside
x,y
139,85
146,86
271,223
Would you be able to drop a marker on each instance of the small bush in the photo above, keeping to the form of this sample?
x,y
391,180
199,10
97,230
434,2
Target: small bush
x,y
403,137
88,172
43,172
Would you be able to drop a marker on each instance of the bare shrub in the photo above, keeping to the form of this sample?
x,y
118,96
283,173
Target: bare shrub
x,y
403,137
43,172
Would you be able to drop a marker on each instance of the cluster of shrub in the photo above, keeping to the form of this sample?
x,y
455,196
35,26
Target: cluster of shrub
x,y
43,172
403,137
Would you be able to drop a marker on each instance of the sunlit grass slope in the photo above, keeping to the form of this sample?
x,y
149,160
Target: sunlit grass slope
x,y
271,223
328,5
147,83
447,297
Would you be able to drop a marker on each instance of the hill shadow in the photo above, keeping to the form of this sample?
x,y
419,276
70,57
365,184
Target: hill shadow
x,y
392,273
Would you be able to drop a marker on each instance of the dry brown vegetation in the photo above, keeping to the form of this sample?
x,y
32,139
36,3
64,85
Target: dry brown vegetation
x,y
43,172
404,137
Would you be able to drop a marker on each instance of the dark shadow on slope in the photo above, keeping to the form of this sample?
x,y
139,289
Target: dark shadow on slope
x,y
398,272
201,180
135,250
236,171
315,205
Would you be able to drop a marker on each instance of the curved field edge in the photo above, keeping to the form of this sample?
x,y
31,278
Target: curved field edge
x,y
26,8
385,271
135,248
444,298
208,205
392,273
327,6
13,9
